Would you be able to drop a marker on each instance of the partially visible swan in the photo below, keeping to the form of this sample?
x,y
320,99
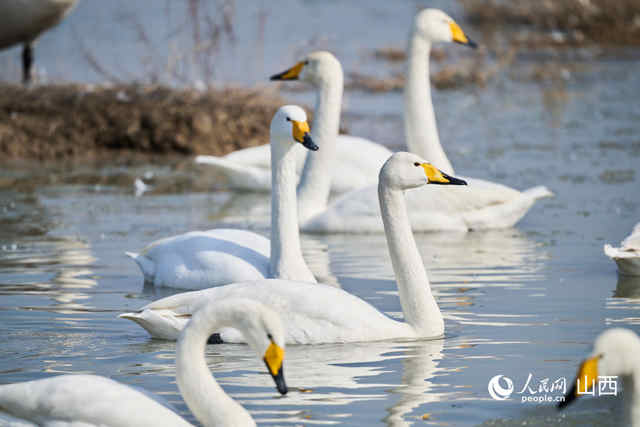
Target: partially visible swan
x,y
627,256
354,161
323,314
89,400
201,259
615,354
488,205
24,20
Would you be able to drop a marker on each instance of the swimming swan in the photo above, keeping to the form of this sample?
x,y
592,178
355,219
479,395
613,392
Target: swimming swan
x,y
201,259
317,314
90,400
488,205
627,256
615,354
355,161
24,20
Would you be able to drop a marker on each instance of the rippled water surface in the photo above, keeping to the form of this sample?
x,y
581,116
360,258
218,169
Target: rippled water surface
x,y
518,301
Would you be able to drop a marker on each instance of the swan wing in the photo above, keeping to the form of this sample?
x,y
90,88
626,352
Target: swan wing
x,y
201,259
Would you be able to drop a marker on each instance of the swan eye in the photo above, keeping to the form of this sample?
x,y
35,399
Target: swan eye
x,y
288,119
416,164
306,62
270,337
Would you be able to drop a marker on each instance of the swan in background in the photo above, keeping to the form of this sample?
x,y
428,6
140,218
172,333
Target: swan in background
x,y
615,353
317,314
487,206
24,20
201,259
627,256
91,400
355,161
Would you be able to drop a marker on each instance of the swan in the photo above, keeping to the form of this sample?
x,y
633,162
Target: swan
x,y
615,353
316,314
627,256
489,205
90,400
24,20
201,259
356,161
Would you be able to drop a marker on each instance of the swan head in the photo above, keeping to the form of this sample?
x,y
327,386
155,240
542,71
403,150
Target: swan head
x,y
290,124
260,326
403,171
615,353
316,68
436,26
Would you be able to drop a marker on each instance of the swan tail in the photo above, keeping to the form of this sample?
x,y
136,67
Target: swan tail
x,y
239,176
146,265
538,192
160,324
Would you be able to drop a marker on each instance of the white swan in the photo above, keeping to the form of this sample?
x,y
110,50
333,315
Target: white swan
x,y
322,314
489,205
627,256
89,400
24,20
354,161
201,259
615,353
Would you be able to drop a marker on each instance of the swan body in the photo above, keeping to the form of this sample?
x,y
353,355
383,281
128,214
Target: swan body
x,y
24,20
627,256
202,259
353,162
485,205
90,400
615,353
317,314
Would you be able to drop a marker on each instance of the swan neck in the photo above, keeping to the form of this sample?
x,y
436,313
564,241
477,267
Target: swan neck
x,y
418,304
286,254
421,130
315,182
202,394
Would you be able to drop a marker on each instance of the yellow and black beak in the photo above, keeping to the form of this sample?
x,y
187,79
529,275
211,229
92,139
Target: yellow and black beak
x,y
290,74
459,36
274,359
588,377
301,134
436,176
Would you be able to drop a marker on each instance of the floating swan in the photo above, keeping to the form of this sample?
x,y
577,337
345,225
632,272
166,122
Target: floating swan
x,y
615,353
89,400
488,205
355,161
627,256
317,314
24,20
201,259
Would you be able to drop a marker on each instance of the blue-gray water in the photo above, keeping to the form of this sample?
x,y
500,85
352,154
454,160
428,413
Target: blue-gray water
x,y
517,301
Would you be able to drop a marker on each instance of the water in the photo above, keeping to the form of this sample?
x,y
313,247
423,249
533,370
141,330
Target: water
x,y
517,301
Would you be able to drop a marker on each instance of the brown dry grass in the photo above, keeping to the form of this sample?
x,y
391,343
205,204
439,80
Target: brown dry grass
x,y
75,121
580,21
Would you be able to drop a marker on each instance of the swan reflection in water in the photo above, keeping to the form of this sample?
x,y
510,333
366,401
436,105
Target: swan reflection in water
x,y
66,265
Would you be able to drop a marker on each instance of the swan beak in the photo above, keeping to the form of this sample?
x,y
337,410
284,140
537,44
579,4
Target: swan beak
x,y
459,35
290,74
587,376
273,358
436,176
302,135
